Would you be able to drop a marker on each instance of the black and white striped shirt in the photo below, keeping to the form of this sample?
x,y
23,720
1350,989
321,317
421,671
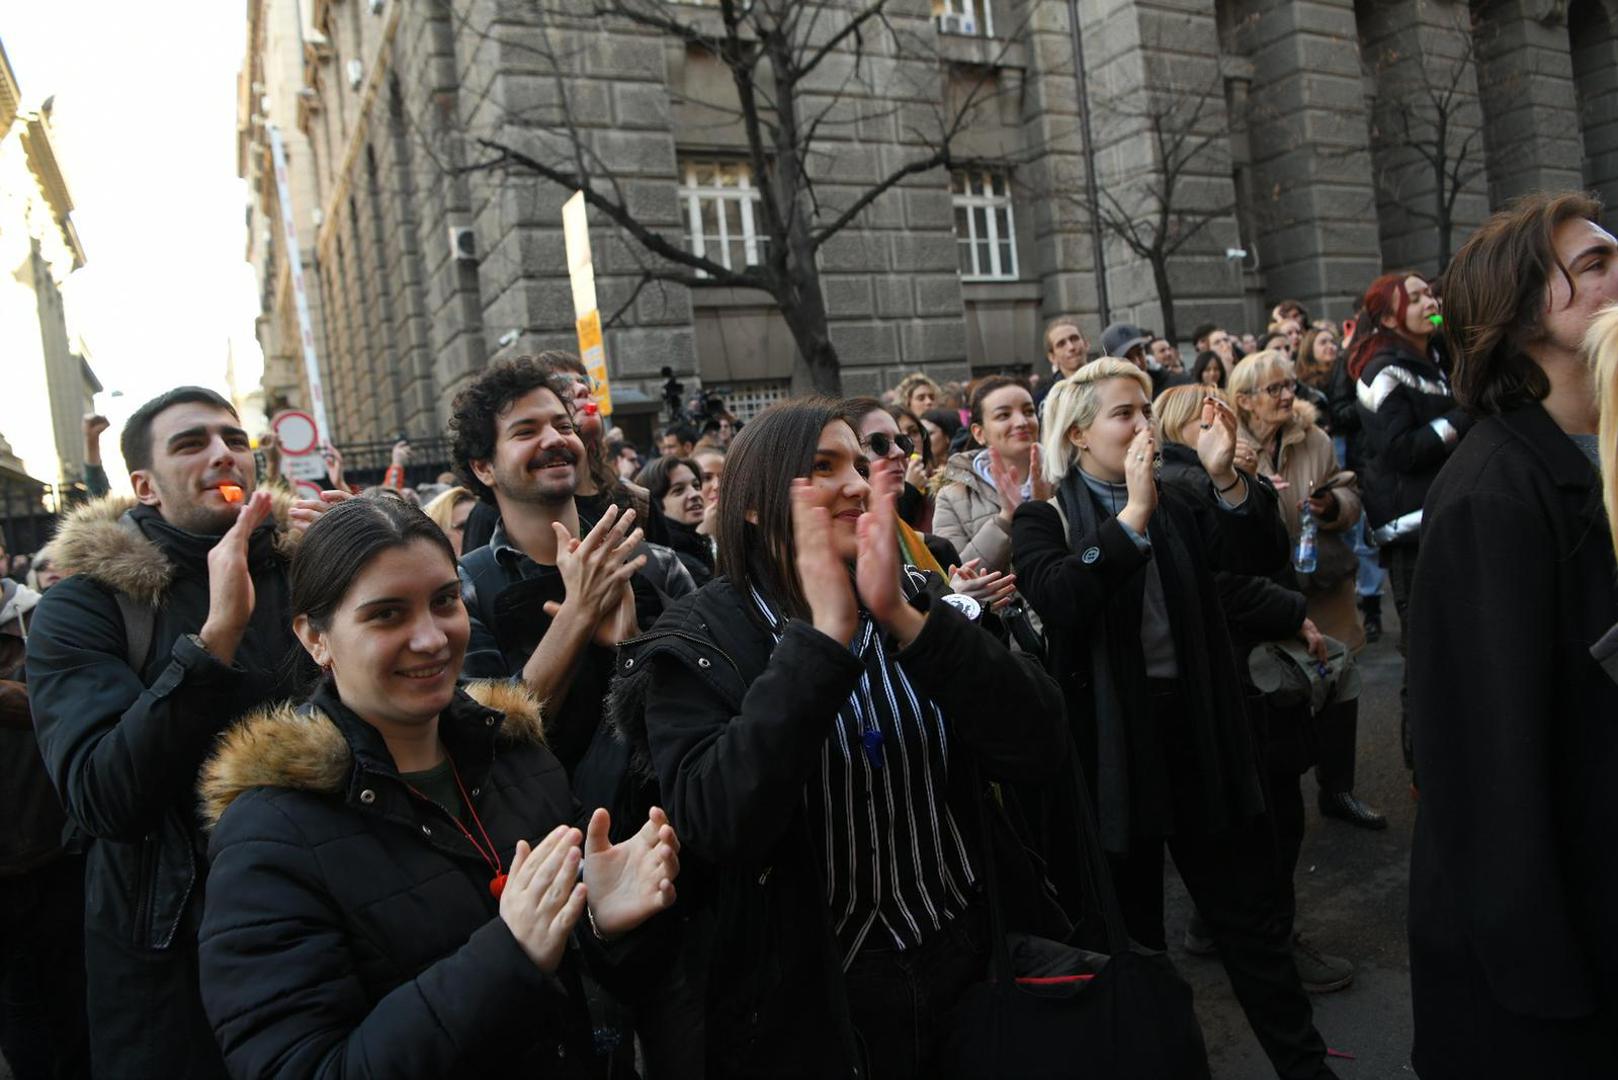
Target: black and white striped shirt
x,y
895,862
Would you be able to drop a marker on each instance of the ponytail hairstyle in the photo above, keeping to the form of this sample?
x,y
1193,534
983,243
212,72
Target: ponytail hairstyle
x,y
1601,345
1386,296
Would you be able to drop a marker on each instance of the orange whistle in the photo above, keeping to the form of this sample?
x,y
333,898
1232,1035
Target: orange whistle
x,y
231,493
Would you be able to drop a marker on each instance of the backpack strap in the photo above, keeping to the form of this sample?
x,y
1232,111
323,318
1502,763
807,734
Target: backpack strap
x,y
140,621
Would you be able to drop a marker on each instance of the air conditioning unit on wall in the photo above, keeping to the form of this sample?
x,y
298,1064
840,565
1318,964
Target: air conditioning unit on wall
x,y
462,244
951,22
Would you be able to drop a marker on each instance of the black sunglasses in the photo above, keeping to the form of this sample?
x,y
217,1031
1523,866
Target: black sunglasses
x,y
882,444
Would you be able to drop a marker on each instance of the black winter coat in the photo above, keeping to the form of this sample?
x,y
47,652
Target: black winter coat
x,y
1410,424
123,748
1513,872
1258,608
734,727
350,930
1079,584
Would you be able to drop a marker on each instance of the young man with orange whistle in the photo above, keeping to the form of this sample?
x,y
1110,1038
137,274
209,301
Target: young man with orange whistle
x,y
173,623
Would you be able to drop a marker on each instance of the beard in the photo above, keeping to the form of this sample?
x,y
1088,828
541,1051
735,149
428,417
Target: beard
x,y
531,482
186,511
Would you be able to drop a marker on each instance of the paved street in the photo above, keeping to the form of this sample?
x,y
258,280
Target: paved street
x,y
1352,888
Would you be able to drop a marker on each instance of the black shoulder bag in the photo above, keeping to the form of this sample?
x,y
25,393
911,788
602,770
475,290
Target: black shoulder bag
x,y
1052,1010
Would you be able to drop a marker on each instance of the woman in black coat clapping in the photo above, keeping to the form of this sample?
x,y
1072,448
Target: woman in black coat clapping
x,y
1121,572
396,876
815,716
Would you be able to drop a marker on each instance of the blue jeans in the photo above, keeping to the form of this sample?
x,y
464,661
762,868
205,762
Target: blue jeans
x,y
1368,582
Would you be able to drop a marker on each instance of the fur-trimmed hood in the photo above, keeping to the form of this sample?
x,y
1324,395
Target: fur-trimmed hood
x,y
94,541
287,746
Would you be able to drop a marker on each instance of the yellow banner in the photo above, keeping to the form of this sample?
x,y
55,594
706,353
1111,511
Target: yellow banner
x,y
595,359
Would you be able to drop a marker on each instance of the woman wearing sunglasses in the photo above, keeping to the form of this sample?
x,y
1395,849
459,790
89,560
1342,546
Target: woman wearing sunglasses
x,y
900,455
983,487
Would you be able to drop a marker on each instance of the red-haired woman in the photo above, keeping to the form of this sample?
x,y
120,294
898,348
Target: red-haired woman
x,y
1410,423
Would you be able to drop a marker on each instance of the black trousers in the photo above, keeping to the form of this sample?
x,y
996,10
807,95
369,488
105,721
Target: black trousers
x,y
1241,885
43,1031
1337,730
1401,563
900,1001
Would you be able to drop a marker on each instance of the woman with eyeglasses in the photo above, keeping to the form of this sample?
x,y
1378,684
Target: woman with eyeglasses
x,y
983,487
1300,460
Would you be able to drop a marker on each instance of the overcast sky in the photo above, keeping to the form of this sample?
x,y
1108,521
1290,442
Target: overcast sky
x,y
145,131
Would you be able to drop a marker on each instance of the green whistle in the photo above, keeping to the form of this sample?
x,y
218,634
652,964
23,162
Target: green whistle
x,y
1436,320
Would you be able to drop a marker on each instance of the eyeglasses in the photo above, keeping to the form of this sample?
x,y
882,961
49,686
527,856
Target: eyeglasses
x,y
1278,390
882,444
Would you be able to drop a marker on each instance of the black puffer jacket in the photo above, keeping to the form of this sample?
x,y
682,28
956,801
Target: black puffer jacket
x,y
349,928
734,725
123,747
1411,423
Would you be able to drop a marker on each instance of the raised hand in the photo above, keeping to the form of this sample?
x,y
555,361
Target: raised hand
x,y
596,570
877,570
1216,443
231,596
1141,480
1005,485
993,588
334,466
1042,486
821,574
305,512
1246,458
916,473
543,897
630,882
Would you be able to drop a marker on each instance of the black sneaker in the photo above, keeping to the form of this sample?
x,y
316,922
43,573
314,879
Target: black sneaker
x,y
1373,629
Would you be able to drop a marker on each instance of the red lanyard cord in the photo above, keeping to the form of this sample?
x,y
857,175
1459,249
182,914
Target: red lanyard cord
x,y
491,855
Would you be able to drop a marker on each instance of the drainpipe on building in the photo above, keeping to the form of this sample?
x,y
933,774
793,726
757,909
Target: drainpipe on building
x,y
1092,193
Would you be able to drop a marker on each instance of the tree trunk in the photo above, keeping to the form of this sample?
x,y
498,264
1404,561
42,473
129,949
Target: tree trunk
x,y
803,306
1165,296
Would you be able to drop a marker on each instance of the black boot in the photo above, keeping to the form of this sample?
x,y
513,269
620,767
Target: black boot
x,y
1371,609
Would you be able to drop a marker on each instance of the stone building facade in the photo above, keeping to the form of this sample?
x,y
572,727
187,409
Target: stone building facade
x,y
1291,142
48,380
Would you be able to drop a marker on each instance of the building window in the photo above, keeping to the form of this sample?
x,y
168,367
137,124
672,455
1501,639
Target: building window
x,y
719,201
974,18
983,230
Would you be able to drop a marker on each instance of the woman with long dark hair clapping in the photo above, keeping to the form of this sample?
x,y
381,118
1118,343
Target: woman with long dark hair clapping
x,y
813,716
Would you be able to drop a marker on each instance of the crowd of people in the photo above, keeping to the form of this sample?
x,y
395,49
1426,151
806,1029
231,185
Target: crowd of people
x,y
753,752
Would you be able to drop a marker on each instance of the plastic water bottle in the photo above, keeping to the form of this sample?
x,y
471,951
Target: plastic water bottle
x,y
1303,559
